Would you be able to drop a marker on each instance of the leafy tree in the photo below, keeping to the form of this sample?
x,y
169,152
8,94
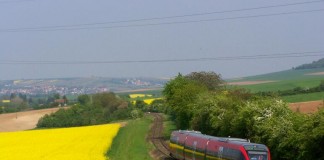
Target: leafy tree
x,y
136,114
83,99
211,80
56,96
159,105
140,104
312,136
180,93
102,110
65,99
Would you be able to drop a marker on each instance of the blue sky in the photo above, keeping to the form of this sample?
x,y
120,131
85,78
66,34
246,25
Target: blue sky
x,y
226,34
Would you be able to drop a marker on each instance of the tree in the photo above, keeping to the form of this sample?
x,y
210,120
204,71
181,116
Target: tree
x,y
83,99
180,93
211,80
140,104
56,96
65,99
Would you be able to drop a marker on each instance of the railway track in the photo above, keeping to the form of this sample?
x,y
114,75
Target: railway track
x,y
157,138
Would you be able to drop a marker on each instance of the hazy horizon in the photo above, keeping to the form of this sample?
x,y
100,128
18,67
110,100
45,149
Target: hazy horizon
x,y
82,38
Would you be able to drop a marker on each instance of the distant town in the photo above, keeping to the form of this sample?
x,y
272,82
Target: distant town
x,y
77,86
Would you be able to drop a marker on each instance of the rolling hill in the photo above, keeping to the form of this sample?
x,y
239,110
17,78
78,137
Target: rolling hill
x,y
283,80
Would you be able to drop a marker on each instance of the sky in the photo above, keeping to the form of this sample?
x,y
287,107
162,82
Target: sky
x,y
145,38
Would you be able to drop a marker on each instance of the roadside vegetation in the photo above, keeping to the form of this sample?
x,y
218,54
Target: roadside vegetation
x,y
131,141
168,126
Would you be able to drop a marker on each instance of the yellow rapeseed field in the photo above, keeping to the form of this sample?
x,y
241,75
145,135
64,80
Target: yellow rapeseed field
x,y
77,143
139,95
149,101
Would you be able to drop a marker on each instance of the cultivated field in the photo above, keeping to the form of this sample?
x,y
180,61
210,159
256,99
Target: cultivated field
x,y
306,107
22,120
242,83
77,143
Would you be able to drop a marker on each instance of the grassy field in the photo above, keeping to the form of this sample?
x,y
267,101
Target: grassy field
x,y
169,126
282,75
131,143
304,97
287,80
309,82
284,80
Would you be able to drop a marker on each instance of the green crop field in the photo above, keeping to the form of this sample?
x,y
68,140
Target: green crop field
x,y
282,75
284,80
304,97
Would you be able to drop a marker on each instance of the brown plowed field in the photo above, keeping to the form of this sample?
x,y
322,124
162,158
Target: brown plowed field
x,y
22,120
306,107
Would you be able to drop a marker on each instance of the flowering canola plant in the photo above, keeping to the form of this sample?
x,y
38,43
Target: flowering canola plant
x,y
77,143
149,101
139,95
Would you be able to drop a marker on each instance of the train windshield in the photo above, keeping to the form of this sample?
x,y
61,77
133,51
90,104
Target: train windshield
x,y
257,155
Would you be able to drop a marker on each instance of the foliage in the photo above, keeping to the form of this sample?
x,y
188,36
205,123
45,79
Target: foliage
x,y
83,99
211,80
238,113
314,64
180,93
104,108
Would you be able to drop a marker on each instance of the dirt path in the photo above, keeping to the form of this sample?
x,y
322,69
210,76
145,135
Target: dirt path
x,y
22,120
156,136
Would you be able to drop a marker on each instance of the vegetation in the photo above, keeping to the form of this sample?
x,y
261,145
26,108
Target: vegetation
x,y
315,64
304,97
238,113
131,141
168,126
96,109
294,91
21,102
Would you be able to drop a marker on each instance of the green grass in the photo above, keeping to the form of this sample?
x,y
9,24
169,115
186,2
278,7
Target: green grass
x,y
285,84
304,97
282,75
131,143
169,126
284,80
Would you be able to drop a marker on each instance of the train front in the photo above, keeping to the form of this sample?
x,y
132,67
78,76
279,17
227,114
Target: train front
x,y
257,152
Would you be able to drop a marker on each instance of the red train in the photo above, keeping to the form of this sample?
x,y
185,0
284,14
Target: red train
x,y
192,145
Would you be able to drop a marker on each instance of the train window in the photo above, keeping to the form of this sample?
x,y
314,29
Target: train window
x,y
254,155
174,139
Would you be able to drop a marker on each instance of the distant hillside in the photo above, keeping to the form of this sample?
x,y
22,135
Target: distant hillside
x,y
284,80
315,64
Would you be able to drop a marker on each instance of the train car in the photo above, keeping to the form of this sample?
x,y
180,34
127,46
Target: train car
x,y
193,145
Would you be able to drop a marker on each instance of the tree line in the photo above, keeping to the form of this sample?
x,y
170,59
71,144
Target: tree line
x,y
94,109
315,64
16,102
200,102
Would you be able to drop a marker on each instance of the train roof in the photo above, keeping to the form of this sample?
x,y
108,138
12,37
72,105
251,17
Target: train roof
x,y
238,141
